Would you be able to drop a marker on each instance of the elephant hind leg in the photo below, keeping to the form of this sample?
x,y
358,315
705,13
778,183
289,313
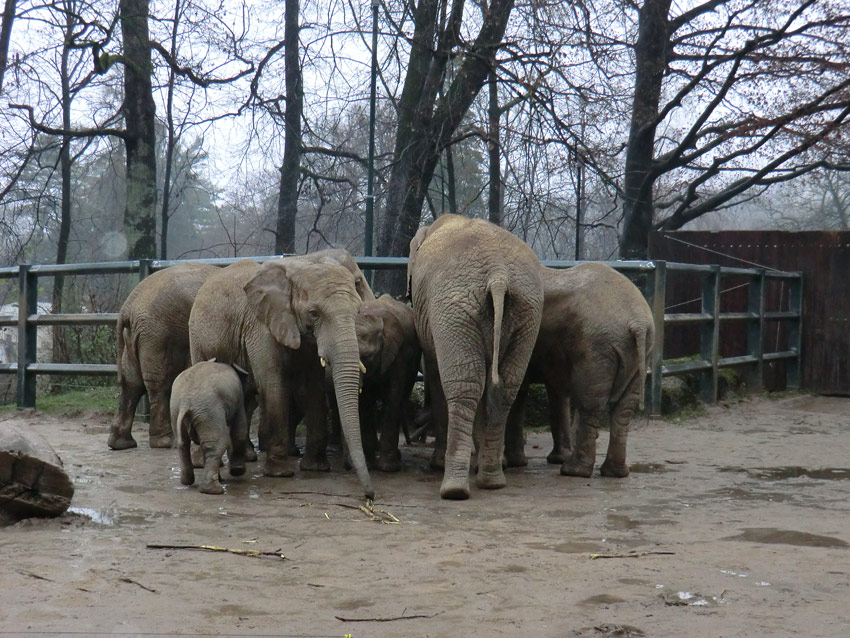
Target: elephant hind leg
x,y
187,469
159,434
583,456
121,432
213,453
615,459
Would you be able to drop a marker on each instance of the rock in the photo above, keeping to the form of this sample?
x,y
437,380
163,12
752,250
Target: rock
x,y
33,481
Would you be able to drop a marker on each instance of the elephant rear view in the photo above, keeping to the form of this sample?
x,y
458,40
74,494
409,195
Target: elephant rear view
x,y
153,348
478,298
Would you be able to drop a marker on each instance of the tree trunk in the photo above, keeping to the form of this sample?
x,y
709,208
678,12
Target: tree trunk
x,y
287,207
171,142
650,66
65,172
426,125
139,112
494,199
6,36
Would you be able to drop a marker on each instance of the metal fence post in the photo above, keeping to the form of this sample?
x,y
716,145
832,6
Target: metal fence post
x,y
795,304
755,331
656,294
27,335
710,334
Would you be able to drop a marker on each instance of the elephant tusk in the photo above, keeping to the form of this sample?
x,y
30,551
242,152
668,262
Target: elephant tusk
x,y
362,368
322,361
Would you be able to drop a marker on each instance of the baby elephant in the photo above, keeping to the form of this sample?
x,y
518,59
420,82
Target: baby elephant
x,y
207,407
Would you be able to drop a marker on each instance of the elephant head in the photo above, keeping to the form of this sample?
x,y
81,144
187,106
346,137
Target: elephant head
x,y
317,299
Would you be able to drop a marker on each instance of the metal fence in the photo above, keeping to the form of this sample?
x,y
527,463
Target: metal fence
x,y
654,275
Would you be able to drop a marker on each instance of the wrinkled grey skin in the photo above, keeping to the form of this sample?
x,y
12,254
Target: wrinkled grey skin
x,y
208,408
477,297
592,353
389,349
277,321
153,348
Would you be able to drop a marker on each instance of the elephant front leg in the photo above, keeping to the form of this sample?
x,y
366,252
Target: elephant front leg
x,y
238,443
187,470
583,457
275,407
439,416
389,459
559,422
514,435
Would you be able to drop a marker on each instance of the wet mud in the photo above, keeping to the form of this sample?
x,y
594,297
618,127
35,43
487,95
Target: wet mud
x,y
732,524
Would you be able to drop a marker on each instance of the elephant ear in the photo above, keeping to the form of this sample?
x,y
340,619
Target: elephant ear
x,y
392,346
415,243
269,293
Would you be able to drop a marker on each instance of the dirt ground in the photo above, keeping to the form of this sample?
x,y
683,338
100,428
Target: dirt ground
x,y
738,522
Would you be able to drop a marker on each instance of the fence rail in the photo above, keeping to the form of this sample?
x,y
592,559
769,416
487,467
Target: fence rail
x,y
708,362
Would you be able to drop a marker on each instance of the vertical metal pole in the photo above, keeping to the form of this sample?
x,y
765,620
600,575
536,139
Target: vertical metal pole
x,y
370,179
27,335
656,295
755,332
795,333
710,334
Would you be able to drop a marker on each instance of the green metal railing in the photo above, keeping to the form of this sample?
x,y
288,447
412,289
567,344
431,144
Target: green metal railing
x,y
708,363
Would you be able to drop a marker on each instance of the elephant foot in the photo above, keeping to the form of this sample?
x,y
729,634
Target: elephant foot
x,y
613,470
121,442
389,462
491,480
572,467
317,463
515,459
187,476
236,469
163,441
557,457
454,490
213,487
279,468
250,453
438,460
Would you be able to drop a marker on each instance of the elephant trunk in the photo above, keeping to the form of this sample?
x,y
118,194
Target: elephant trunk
x,y
339,348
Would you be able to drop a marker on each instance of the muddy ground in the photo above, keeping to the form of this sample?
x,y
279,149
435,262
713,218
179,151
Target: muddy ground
x,y
737,522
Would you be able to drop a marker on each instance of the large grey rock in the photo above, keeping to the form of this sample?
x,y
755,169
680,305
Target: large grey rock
x,y
33,481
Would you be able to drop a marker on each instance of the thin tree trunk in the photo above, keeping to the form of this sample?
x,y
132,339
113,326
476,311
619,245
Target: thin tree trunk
x,y
171,142
650,65
494,200
6,36
65,171
287,207
450,180
139,112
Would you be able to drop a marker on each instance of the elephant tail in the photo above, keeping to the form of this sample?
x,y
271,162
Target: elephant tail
x,y
639,334
494,395
125,346
498,289
176,427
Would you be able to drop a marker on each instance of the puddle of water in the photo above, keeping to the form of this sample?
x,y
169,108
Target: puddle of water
x,y
621,522
134,489
738,494
576,547
690,599
101,517
792,472
649,468
786,537
602,599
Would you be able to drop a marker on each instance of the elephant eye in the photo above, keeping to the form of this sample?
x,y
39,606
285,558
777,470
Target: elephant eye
x,y
314,314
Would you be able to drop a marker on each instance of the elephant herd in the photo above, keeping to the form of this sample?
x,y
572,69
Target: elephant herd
x,y
304,338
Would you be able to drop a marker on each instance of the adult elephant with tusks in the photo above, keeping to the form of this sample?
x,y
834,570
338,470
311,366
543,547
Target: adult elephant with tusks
x,y
288,322
478,298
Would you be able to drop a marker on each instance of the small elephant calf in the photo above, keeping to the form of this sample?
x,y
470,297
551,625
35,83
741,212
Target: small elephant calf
x,y
207,407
